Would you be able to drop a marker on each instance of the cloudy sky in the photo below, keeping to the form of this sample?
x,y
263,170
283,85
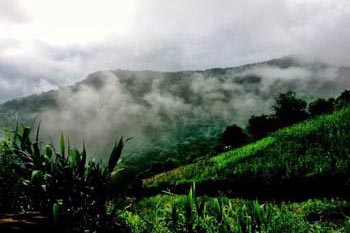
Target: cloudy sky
x,y
45,44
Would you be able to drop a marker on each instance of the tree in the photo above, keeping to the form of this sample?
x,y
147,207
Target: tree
x,y
260,126
343,101
321,106
233,136
288,109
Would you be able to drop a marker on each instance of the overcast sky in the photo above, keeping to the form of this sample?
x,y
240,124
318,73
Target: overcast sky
x,y
49,43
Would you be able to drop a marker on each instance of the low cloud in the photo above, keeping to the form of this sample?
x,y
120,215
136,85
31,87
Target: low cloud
x,y
154,106
12,12
159,35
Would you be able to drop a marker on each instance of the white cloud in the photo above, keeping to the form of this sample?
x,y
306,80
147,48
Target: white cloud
x,y
11,12
62,41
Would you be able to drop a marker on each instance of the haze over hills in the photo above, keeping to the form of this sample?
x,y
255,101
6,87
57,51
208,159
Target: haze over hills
x,y
160,107
174,116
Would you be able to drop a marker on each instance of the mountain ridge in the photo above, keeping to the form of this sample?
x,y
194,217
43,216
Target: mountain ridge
x,y
158,107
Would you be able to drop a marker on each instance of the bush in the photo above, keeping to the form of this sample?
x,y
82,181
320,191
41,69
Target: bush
x,y
260,126
233,137
288,109
63,185
343,101
8,177
321,106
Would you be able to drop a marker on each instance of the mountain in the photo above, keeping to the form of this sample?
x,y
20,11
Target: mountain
x,y
171,116
160,109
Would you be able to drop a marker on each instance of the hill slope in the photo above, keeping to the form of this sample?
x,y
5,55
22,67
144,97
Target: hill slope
x,y
310,156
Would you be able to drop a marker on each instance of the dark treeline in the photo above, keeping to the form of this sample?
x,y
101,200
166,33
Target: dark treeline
x,y
287,109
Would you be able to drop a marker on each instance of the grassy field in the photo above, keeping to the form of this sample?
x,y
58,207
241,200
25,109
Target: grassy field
x,y
175,213
307,154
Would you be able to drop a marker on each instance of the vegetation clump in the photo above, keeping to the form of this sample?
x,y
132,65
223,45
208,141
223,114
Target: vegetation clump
x,y
63,184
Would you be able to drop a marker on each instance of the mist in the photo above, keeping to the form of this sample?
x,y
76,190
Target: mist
x,y
41,50
158,107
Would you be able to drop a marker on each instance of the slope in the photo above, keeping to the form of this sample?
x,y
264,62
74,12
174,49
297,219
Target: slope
x,y
310,157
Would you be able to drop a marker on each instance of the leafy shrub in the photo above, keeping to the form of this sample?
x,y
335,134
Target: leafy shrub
x,y
288,109
321,106
8,178
233,137
260,126
63,184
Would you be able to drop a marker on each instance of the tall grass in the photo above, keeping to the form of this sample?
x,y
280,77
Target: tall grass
x,y
180,213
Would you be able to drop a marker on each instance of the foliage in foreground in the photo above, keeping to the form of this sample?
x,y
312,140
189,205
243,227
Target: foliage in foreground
x,y
63,185
189,213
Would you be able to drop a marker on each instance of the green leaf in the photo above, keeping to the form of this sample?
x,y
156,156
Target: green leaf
x,y
25,138
174,215
75,158
188,206
115,155
62,145
49,151
115,174
81,169
37,133
56,211
36,174
26,182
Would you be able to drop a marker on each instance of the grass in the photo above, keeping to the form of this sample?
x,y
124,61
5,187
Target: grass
x,y
169,213
309,150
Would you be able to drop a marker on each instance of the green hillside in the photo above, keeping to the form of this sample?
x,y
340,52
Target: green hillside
x,y
295,179
311,154
165,108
